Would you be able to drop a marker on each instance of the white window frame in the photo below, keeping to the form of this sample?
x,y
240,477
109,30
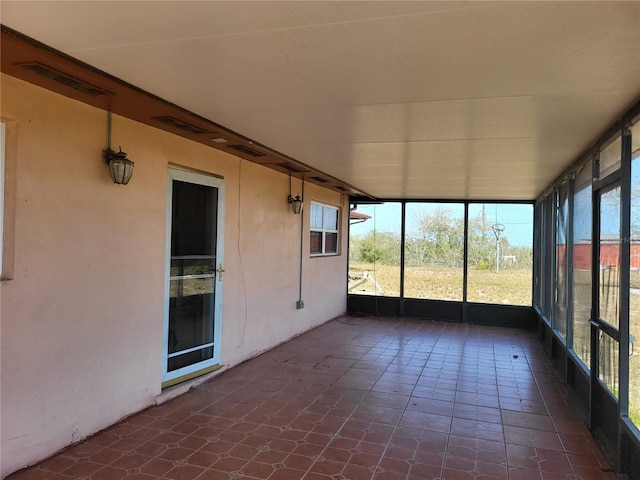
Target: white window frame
x,y
324,231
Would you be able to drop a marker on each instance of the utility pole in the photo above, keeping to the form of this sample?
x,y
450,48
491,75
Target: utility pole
x,y
497,228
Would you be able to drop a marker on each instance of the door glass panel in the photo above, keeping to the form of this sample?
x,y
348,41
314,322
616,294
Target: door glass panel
x,y
434,251
186,328
610,256
582,226
190,358
192,274
374,250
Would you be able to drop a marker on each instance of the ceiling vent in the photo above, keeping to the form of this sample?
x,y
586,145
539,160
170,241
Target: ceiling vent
x,y
63,78
291,168
180,125
319,179
247,151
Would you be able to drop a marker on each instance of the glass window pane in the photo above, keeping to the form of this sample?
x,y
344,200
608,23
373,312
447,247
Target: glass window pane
x,y
634,296
315,242
331,242
500,253
561,286
610,256
434,251
330,218
374,250
582,224
608,363
316,216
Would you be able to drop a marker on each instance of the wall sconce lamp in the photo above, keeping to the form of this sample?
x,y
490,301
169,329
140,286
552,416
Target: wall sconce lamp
x,y
295,202
120,167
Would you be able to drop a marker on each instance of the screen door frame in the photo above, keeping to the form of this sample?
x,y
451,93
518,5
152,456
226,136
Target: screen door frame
x,y
200,368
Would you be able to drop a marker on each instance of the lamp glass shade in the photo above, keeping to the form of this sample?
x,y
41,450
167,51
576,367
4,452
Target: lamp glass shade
x,y
121,170
296,205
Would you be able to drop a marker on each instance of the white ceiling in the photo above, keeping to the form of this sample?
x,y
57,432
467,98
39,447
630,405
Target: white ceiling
x,y
475,100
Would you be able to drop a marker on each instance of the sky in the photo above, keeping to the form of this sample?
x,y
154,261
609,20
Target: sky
x,y
516,218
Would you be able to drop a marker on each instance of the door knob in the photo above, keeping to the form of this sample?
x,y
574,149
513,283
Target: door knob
x,y
220,271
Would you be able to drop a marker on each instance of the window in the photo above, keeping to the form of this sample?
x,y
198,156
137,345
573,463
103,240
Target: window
x,y
374,249
324,230
434,251
581,264
500,253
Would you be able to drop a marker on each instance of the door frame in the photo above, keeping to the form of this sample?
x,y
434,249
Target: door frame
x,y
201,368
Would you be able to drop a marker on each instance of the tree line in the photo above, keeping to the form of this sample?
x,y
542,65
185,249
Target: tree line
x,y
437,238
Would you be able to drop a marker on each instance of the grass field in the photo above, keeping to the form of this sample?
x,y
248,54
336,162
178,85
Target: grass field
x,y
512,286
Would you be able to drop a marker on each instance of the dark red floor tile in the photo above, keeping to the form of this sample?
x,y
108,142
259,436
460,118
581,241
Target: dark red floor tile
x,y
130,461
477,429
258,470
229,464
399,400
544,460
156,467
31,474
298,462
82,469
109,473
525,474
184,472
532,438
426,421
176,453
452,474
390,464
421,471
364,459
57,464
246,452
531,421
287,474
151,449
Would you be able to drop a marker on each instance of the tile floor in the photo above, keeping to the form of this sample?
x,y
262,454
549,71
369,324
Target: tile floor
x,y
358,398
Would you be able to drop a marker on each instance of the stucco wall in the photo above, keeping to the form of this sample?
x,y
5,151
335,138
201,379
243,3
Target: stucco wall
x,y
82,318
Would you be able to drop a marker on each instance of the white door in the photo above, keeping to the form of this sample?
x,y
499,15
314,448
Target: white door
x,y
193,305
